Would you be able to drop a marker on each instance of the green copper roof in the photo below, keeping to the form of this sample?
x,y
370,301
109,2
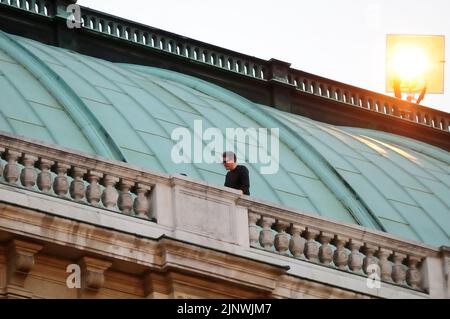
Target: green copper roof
x,y
127,112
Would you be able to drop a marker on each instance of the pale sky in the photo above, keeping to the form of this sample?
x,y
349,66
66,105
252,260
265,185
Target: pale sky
x,y
344,40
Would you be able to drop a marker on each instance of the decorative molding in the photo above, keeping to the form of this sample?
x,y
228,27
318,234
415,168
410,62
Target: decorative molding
x,y
20,261
93,272
21,255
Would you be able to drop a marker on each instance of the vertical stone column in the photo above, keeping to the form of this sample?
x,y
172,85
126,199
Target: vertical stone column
x,y
385,265
281,238
125,201
354,259
28,175
11,171
398,273
60,184
325,250
77,186
253,229
266,236
110,194
20,261
141,204
369,259
93,192
340,258
44,179
413,274
92,274
297,243
311,246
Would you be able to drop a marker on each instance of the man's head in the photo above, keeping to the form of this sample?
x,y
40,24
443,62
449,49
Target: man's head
x,y
229,160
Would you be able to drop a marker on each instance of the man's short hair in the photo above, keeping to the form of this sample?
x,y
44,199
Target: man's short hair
x,y
229,156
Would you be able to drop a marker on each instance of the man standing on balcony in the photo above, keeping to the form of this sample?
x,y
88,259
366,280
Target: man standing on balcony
x,y
237,176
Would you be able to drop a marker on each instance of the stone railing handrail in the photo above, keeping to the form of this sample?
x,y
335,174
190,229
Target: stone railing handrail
x,y
83,178
245,65
346,247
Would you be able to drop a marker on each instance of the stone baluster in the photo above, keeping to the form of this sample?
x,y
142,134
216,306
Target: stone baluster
x,y
322,90
447,125
253,229
354,259
311,247
113,28
413,274
363,102
412,115
266,236
332,92
12,171
339,95
139,37
60,184
369,259
325,250
281,238
385,266
207,56
315,87
121,30
191,52
398,272
340,258
125,201
28,175
434,121
141,203
297,243
94,23
371,104
77,186
44,178
419,117
93,192
110,194
440,122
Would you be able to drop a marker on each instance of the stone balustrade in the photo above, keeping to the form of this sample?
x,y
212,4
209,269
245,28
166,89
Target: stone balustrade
x,y
70,176
41,7
197,212
262,70
173,44
348,248
375,102
245,65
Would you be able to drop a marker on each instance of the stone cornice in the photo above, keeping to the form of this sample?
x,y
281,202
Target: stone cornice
x,y
204,261
249,269
161,254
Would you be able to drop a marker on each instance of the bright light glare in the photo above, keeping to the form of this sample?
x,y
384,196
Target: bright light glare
x,y
416,61
410,64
